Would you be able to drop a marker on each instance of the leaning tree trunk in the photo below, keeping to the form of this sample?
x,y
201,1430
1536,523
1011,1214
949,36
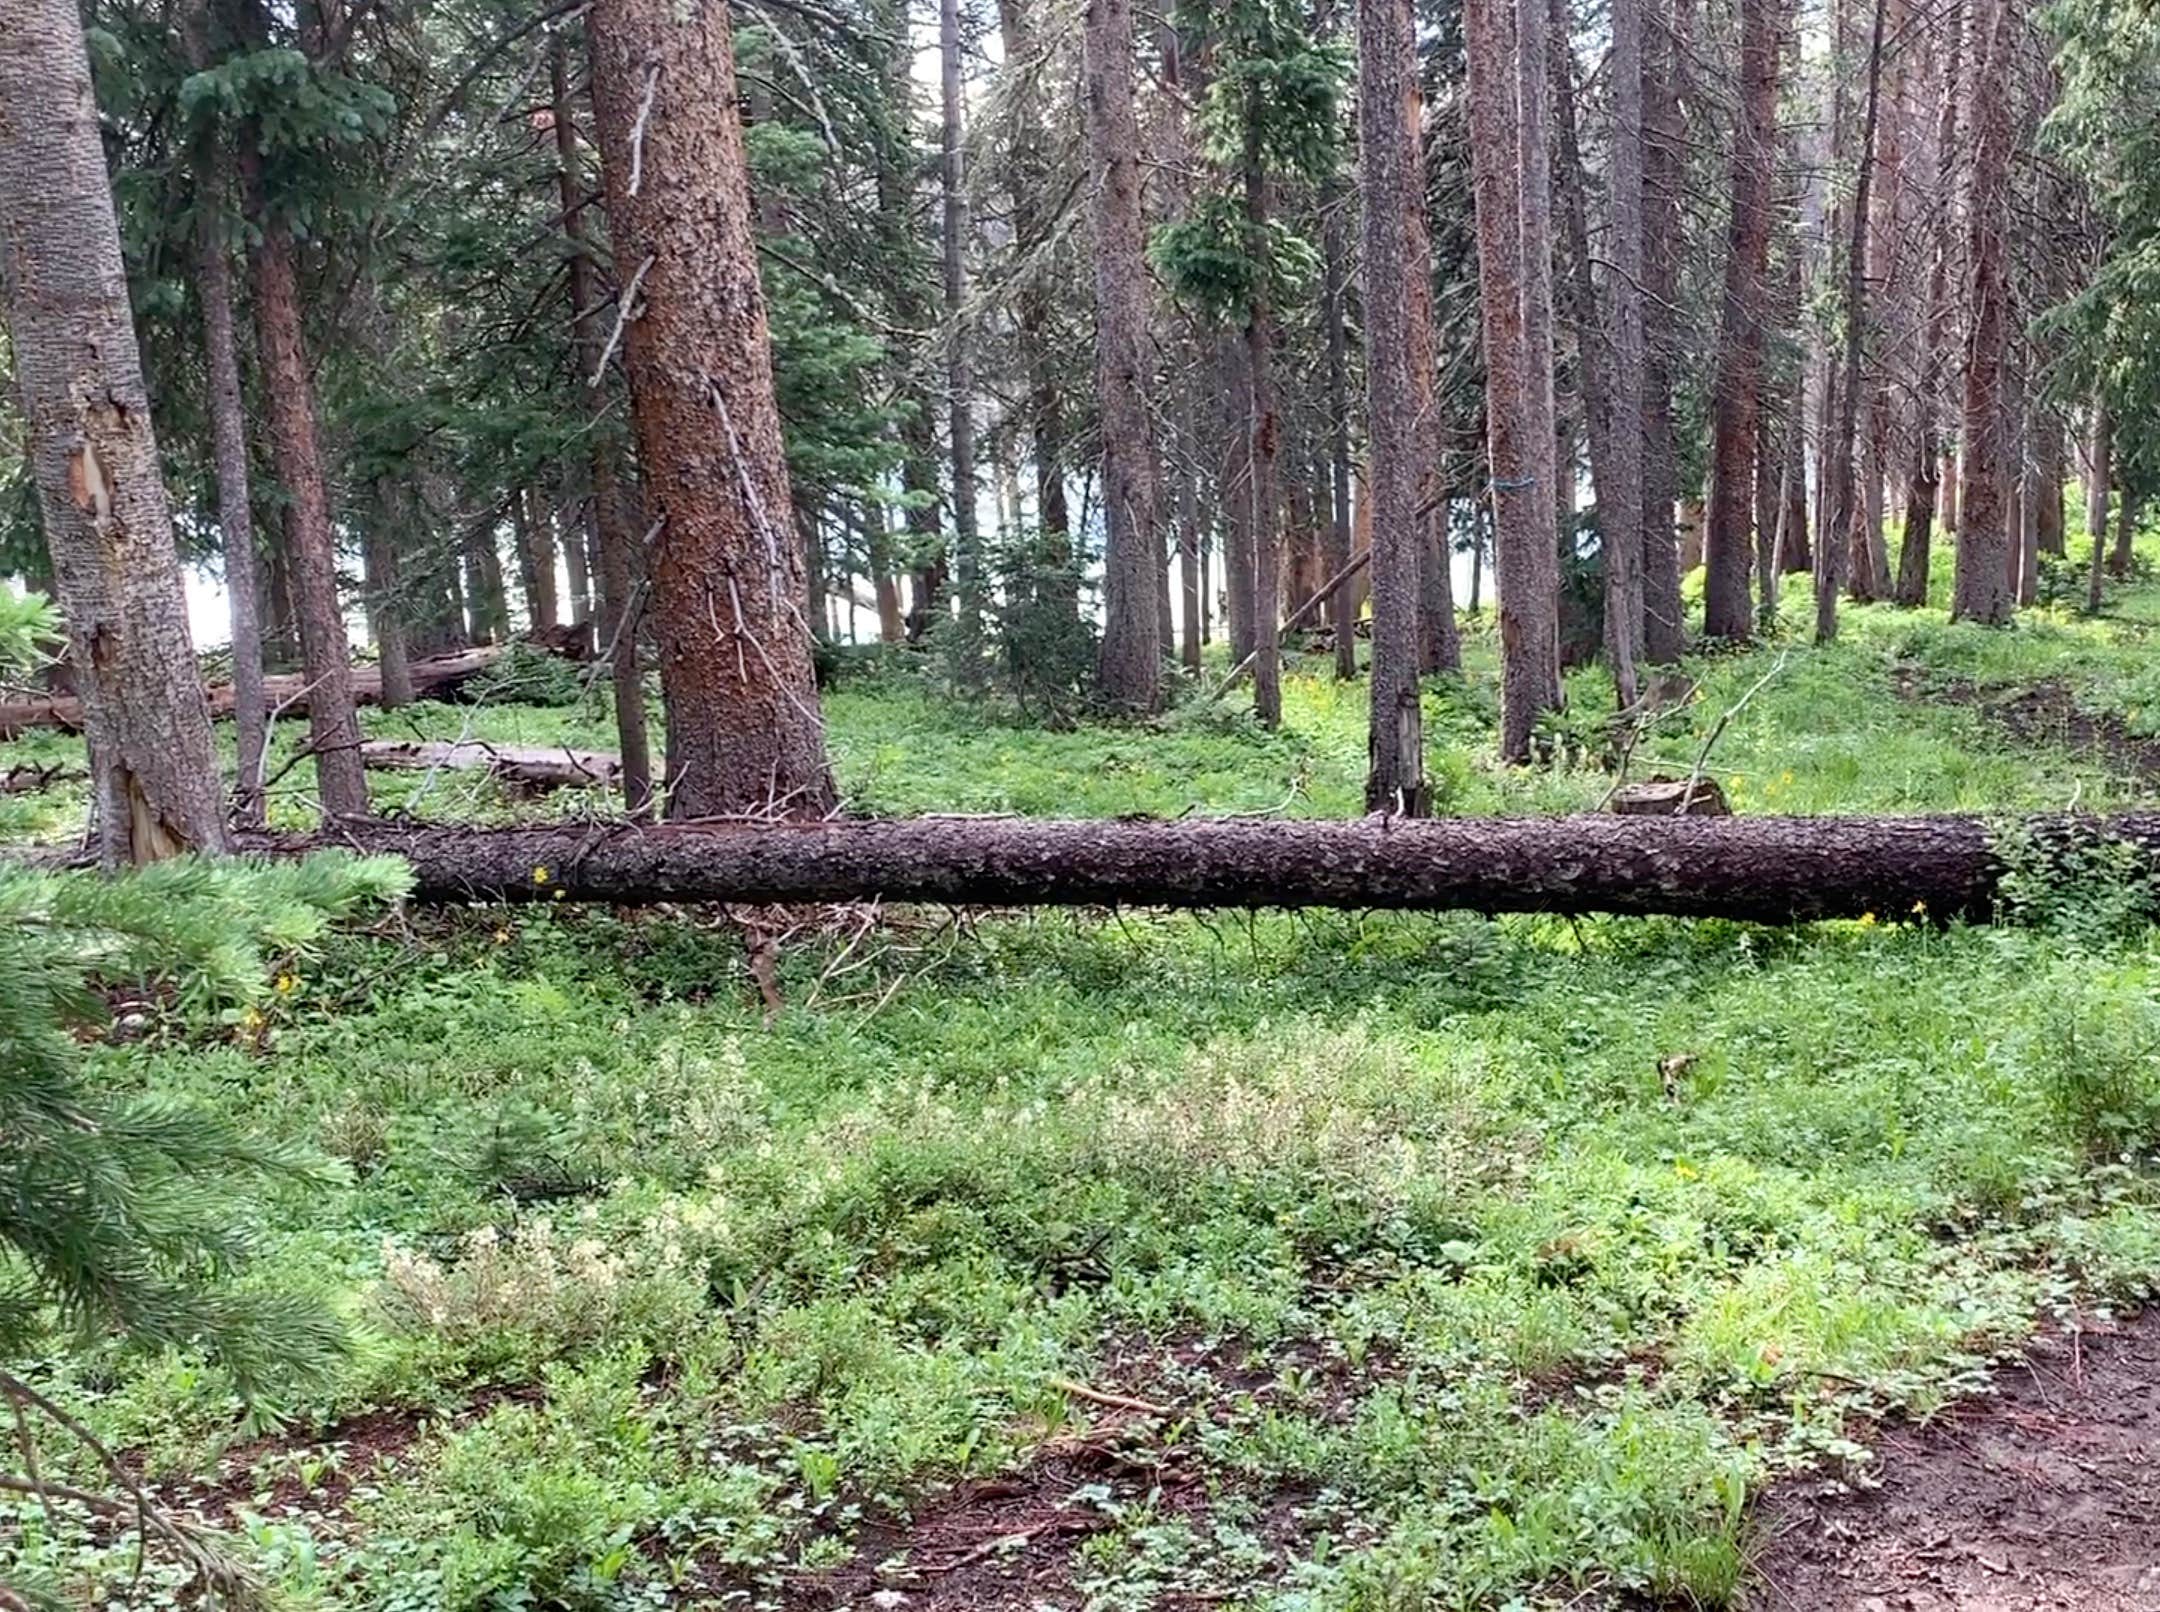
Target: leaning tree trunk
x,y
616,541
1983,591
92,451
1129,672
744,732
1737,405
1519,442
1758,869
310,538
214,178
1392,178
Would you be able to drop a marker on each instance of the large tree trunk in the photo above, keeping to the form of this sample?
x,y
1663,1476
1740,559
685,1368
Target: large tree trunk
x,y
1511,175
1439,639
79,379
616,540
535,528
1665,39
1128,674
744,732
1924,487
2101,471
310,538
216,191
1757,869
1625,495
1335,256
1619,494
1737,406
1392,179
1983,591
1033,324
959,344
1833,549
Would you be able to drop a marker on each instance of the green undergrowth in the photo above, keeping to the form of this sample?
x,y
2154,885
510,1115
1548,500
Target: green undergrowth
x,y
1464,1263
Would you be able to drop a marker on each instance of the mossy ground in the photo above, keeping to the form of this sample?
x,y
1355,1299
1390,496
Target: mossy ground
x,y
1468,1263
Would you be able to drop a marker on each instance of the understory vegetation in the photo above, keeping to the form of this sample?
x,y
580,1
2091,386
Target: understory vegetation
x,y
1301,1261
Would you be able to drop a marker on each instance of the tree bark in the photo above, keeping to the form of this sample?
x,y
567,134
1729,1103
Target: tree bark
x,y
1391,176
1756,869
1737,404
959,345
1334,320
1982,592
1129,671
2102,471
1506,169
1664,176
1924,488
616,541
93,453
1833,548
310,538
1619,492
744,732
1263,439
536,557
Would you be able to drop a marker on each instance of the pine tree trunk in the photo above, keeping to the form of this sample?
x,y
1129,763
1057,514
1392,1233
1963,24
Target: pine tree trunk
x,y
1665,40
1618,497
536,557
744,732
1737,400
1128,673
1392,175
1924,488
2101,467
2126,524
214,177
1263,441
1439,639
967,555
1625,495
94,457
310,538
1506,141
1982,591
1335,264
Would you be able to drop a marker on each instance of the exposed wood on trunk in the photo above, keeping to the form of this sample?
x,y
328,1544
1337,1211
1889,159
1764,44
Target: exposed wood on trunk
x,y
744,731
1759,869
1128,671
93,454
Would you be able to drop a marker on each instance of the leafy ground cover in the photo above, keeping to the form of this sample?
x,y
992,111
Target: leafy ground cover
x,y
1130,1261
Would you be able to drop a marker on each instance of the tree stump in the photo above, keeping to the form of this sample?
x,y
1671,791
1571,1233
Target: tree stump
x,y
1671,797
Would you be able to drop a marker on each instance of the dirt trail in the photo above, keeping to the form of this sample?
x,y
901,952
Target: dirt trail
x,y
2045,1495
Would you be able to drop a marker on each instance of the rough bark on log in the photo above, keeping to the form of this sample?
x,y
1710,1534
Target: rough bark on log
x,y
1759,869
433,679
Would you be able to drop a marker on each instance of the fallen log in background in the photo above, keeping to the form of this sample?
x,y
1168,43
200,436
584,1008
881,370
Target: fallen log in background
x,y
1762,869
434,677
531,766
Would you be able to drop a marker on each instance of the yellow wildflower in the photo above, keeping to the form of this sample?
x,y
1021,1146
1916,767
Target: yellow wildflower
x,y
1867,920
541,875
287,984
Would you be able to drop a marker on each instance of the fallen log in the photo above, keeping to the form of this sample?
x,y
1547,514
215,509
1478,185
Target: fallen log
x,y
435,677
27,777
528,766
1762,869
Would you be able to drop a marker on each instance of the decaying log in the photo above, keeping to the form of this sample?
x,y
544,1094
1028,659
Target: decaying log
x,y
530,766
1762,869
434,678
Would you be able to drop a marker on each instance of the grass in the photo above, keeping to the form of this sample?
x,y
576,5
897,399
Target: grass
x,y
1473,1263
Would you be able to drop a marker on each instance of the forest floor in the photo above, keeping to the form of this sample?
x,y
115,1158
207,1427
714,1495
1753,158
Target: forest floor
x,y
1142,1261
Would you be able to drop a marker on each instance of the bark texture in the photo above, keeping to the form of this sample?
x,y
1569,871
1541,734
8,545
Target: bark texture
x,y
959,338
1391,178
1737,399
744,732
1129,670
615,536
1758,869
1665,33
94,457
1983,592
1519,439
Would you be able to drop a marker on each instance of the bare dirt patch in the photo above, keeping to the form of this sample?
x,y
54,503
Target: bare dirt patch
x,y
2042,1495
2048,714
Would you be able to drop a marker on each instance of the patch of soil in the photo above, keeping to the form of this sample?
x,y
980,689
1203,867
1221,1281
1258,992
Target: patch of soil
x,y
2043,1495
2048,714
